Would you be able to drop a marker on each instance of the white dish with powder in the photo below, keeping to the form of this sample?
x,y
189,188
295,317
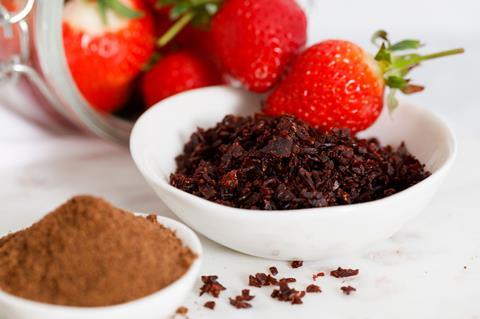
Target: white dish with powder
x,y
159,305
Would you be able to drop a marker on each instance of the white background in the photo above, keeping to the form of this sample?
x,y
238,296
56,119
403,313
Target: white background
x,y
419,273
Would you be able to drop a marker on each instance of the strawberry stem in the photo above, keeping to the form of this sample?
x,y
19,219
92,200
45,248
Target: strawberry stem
x,y
442,54
196,12
175,29
395,67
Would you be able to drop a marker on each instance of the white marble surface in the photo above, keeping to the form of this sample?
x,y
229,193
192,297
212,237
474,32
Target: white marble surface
x,y
418,273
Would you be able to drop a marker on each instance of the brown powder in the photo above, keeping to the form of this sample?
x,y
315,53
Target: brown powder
x,y
88,253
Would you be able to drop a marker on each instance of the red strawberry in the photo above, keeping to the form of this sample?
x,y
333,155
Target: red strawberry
x,y
177,72
198,40
191,38
11,5
255,40
106,44
336,84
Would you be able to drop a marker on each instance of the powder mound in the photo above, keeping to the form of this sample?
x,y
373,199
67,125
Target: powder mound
x,y
278,163
88,253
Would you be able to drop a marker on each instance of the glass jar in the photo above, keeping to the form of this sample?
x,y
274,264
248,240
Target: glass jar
x,y
31,48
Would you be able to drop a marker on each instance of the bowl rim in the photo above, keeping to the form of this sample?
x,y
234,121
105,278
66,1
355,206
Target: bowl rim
x,y
185,234
137,155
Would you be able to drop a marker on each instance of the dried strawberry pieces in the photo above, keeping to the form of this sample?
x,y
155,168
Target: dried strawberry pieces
x,y
182,310
348,289
289,280
296,264
313,288
273,270
261,279
287,294
240,302
210,305
342,273
211,286
278,163
316,276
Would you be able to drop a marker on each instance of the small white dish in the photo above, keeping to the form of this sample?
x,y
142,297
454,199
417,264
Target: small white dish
x,y
308,234
159,305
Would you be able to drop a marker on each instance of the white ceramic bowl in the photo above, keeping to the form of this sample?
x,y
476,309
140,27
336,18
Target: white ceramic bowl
x,y
308,234
159,305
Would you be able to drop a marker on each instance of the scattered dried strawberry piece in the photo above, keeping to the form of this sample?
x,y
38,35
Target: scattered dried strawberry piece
x,y
320,274
287,294
313,288
210,305
254,282
273,270
261,279
348,289
211,286
289,280
240,302
342,273
182,310
246,295
297,263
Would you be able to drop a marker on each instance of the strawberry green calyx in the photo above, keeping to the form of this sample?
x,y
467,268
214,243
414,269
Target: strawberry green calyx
x,y
119,8
395,67
183,12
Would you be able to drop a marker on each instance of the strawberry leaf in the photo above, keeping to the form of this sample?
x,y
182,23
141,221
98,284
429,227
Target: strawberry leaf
x,y
380,38
396,82
102,8
406,45
406,62
123,10
412,88
196,12
179,9
392,101
118,7
383,55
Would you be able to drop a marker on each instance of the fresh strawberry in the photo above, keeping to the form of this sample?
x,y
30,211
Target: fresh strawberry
x,y
198,40
336,84
190,38
256,40
177,72
11,5
106,44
